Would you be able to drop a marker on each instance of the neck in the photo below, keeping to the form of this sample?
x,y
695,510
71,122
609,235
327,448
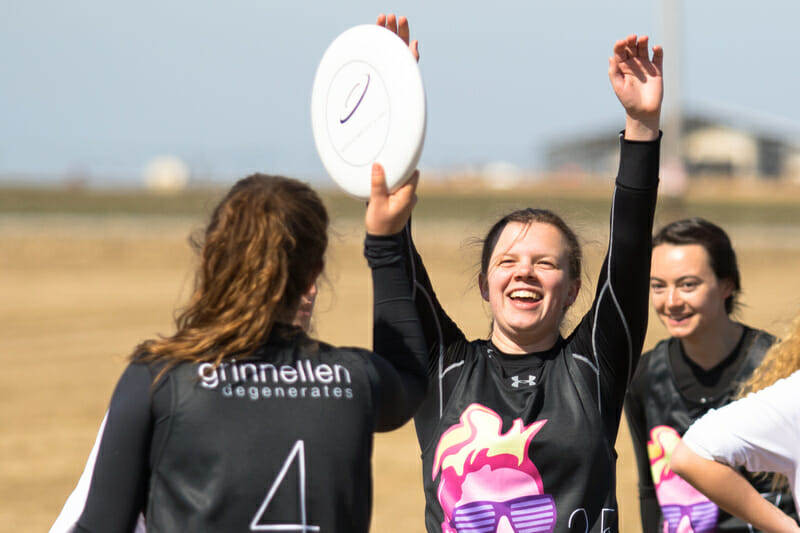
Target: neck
x,y
522,346
709,349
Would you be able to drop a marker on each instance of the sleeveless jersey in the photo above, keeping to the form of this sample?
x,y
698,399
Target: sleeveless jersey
x,y
659,414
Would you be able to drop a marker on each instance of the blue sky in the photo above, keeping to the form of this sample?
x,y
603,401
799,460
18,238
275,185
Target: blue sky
x,y
99,88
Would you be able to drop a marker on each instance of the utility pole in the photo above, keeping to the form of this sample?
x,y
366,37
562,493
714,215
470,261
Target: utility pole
x,y
674,179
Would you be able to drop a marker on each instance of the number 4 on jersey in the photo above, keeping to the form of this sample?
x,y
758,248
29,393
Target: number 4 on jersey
x,y
298,451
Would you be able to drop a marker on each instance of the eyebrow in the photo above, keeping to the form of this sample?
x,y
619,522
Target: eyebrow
x,y
680,279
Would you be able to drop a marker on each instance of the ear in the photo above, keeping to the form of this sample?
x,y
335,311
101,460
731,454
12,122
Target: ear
x,y
726,287
572,294
483,284
312,285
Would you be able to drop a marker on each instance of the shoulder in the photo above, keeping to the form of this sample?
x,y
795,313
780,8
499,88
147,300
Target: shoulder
x,y
342,354
760,339
755,343
658,353
141,372
463,350
649,363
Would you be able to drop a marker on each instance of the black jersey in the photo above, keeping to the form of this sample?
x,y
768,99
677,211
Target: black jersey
x,y
530,439
667,394
277,441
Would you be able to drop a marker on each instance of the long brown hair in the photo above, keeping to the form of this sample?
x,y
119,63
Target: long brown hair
x,y
261,251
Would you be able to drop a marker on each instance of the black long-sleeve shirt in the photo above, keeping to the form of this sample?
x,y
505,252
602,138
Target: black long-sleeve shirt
x,y
283,437
530,438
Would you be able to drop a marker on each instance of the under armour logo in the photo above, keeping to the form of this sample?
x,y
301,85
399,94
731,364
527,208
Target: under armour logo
x,y
516,382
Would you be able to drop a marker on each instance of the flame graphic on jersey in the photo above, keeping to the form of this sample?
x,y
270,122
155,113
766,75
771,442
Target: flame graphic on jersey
x,y
685,509
487,474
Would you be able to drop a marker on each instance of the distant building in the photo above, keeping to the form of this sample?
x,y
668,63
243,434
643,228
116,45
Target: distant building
x,y
710,147
166,174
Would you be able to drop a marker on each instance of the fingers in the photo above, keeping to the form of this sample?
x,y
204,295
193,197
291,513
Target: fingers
x,y
642,47
614,73
621,49
378,183
408,191
402,29
658,56
636,47
387,212
414,179
391,23
414,47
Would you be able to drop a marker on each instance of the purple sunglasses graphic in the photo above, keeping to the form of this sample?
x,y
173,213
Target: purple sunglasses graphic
x,y
528,514
703,516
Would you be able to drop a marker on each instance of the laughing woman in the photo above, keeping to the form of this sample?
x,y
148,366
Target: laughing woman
x,y
518,430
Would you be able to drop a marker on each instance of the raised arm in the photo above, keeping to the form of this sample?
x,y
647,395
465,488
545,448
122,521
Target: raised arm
x,y
613,331
438,328
397,332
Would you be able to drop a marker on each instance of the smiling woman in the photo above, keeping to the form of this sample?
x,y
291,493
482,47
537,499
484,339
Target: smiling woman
x,y
694,288
517,431
523,244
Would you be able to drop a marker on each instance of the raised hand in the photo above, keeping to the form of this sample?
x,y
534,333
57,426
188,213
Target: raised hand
x,y
638,83
399,26
387,212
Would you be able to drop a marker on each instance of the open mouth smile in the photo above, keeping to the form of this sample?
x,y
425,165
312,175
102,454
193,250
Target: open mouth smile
x,y
525,295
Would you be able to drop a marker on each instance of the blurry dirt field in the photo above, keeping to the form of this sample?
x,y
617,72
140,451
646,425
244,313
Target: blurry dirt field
x,y
78,292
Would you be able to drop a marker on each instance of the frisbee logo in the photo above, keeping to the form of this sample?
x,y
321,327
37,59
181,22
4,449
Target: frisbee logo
x,y
360,99
357,107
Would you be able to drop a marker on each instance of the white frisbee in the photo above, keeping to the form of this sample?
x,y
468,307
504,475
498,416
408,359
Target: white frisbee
x,y
368,105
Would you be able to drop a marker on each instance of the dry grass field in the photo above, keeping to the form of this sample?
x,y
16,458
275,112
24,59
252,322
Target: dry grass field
x,y
79,289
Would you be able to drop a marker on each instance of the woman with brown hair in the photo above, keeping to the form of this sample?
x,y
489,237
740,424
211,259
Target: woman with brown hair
x,y
517,431
229,424
695,287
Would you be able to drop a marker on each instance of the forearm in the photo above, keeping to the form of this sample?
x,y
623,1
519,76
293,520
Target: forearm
x,y
631,230
621,299
397,332
732,492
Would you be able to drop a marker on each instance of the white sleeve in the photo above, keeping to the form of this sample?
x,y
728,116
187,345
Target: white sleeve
x,y
760,432
73,507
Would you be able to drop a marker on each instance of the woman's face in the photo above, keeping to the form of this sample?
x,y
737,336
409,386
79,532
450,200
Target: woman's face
x,y
302,317
686,294
528,287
